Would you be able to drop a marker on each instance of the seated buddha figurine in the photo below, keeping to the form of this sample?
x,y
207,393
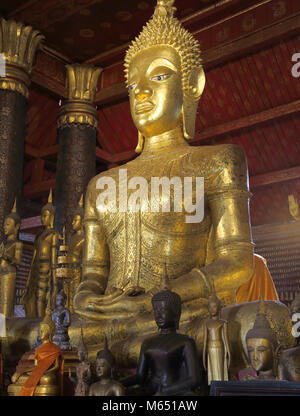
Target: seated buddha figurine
x,y
42,378
168,362
289,362
125,251
41,280
10,259
262,346
106,386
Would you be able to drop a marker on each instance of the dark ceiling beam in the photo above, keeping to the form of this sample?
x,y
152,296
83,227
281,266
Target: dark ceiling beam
x,y
249,43
223,53
252,120
274,177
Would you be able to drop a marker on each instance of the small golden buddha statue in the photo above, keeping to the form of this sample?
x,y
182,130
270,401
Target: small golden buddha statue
x,y
75,251
42,378
289,362
216,351
42,278
262,346
10,259
106,386
125,252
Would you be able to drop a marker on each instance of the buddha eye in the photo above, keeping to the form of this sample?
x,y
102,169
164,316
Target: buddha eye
x,y
132,86
160,77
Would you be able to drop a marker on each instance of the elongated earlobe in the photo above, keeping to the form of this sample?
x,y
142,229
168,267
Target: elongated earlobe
x,y
190,101
140,145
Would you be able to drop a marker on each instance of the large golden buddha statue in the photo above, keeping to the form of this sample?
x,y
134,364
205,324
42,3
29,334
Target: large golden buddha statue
x,y
125,252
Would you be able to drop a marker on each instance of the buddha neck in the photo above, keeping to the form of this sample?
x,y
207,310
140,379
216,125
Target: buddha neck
x,y
163,143
166,331
11,237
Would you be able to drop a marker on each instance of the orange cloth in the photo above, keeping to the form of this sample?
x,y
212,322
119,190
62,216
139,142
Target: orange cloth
x,y
45,355
261,281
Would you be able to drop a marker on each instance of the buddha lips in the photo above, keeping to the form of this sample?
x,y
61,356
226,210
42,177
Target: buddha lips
x,y
155,195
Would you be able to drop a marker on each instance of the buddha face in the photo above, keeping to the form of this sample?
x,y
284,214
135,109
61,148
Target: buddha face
x,y
60,300
44,332
77,222
213,308
163,314
82,356
103,368
46,218
9,226
260,353
155,90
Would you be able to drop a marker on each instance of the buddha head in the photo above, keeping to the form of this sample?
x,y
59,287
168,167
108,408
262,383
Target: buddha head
x,y
261,342
167,309
164,76
214,304
105,362
48,212
12,222
47,328
78,215
61,298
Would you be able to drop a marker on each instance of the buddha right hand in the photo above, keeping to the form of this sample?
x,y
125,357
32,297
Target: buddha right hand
x,y
92,289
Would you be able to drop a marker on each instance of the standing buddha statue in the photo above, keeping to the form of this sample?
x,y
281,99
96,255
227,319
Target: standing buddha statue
x,y
10,259
125,252
75,251
83,370
216,351
41,280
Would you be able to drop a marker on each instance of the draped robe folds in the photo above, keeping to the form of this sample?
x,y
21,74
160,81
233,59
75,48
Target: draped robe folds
x,y
45,356
260,282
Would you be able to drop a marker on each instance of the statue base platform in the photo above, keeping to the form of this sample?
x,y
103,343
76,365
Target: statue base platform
x,y
254,388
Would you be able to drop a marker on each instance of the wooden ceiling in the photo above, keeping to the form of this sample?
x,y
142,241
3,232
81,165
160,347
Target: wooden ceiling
x,y
251,97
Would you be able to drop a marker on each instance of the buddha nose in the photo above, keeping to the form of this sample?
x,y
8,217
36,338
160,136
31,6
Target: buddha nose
x,y
142,92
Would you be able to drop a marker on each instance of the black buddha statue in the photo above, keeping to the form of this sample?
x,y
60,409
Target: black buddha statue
x,y
168,362
61,318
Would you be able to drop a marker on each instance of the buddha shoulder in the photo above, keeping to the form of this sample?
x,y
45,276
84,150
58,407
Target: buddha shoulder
x,y
221,165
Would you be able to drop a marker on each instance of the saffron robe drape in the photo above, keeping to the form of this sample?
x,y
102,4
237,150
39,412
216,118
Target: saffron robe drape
x,y
45,356
260,282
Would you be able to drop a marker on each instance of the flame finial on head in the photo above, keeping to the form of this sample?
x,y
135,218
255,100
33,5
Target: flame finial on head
x,y
49,206
165,283
80,210
13,214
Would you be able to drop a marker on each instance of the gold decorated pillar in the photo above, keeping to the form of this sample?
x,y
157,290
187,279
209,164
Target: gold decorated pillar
x,y
77,131
18,45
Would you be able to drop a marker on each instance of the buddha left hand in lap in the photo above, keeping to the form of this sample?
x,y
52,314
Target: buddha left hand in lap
x,y
125,252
